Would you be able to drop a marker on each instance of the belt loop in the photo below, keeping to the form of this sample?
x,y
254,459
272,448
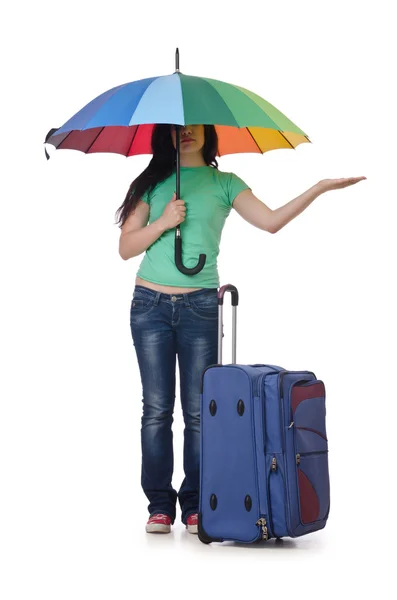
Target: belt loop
x,y
157,298
186,299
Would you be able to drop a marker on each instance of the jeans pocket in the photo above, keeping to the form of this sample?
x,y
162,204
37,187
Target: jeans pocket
x,y
141,305
205,307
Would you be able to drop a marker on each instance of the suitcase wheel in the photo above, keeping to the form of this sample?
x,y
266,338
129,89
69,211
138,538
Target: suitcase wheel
x,y
202,536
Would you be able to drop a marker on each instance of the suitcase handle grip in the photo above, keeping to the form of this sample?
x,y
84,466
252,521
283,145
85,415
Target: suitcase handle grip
x,y
228,288
221,293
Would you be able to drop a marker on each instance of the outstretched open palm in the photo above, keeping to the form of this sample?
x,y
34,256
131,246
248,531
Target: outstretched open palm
x,y
337,184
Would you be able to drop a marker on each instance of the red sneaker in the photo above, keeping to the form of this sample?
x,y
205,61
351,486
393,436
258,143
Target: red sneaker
x,y
192,523
158,523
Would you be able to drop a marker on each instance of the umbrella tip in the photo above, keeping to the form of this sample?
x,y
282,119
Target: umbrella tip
x,y
49,134
177,60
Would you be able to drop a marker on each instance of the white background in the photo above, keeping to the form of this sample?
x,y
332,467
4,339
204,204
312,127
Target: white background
x,y
318,295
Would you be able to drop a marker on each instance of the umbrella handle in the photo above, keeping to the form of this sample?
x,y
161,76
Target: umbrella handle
x,y
178,239
178,257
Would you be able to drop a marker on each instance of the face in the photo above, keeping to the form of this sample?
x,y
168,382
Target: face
x,y
192,138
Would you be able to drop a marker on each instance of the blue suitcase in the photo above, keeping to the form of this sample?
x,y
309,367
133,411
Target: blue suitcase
x,y
264,450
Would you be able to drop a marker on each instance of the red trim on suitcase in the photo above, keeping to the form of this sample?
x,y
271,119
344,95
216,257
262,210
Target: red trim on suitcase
x,y
301,393
309,502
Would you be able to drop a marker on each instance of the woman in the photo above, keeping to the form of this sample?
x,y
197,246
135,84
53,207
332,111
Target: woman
x,y
173,314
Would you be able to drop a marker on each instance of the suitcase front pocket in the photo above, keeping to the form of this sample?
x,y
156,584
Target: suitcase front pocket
x,y
311,451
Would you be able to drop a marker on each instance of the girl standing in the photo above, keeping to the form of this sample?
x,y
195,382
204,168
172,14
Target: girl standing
x,y
176,315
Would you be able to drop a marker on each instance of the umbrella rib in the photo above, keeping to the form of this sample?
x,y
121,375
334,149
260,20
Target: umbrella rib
x,y
66,136
132,141
257,145
94,140
293,148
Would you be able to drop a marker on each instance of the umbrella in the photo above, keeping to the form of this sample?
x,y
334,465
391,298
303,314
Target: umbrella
x,y
121,121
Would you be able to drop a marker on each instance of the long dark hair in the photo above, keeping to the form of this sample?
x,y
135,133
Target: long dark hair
x,y
162,166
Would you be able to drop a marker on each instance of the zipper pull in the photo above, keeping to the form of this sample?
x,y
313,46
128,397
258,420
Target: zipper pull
x,y
298,459
262,523
292,424
274,464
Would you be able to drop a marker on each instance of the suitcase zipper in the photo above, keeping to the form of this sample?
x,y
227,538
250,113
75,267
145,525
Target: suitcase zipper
x,y
273,469
263,524
262,520
298,456
260,382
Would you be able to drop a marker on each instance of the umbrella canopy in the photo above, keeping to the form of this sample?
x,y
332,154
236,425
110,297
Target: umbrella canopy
x,y
121,121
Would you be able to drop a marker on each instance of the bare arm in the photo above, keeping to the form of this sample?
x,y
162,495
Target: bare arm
x,y
258,214
136,235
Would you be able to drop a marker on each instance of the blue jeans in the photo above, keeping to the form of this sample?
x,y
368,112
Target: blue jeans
x,y
163,327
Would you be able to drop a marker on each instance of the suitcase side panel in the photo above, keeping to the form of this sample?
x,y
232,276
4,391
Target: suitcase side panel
x,y
275,469
260,428
229,495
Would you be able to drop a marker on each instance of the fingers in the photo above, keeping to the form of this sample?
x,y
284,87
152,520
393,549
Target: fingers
x,y
179,210
179,205
351,181
345,182
179,219
177,202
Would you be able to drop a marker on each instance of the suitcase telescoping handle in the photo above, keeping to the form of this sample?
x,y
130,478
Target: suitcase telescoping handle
x,y
221,293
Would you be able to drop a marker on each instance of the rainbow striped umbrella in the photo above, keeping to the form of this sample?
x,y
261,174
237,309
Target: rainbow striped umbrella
x,y
121,121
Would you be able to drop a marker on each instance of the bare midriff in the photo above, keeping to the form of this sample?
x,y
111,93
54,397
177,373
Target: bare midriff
x,y
165,289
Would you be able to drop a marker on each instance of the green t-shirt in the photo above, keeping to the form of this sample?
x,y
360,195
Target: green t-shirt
x,y
208,194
